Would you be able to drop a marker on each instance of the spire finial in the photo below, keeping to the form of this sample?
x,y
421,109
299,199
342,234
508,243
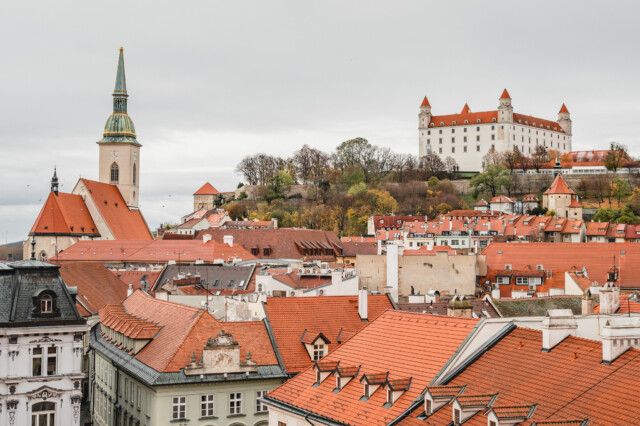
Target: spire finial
x,y
54,181
121,81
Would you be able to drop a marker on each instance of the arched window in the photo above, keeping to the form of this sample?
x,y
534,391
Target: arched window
x,y
115,173
46,304
43,414
135,177
42,256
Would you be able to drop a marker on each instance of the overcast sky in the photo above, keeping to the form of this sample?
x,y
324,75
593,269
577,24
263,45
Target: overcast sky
x,y
211,81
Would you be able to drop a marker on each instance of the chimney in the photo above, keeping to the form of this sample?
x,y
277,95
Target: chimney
x,y
609,296
619,334
206,238
363,304
228,240
587,305
556,326
130,290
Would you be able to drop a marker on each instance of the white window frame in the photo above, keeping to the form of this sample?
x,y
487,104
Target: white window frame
x,y
319,351
179,408
261,407
235,403
207,405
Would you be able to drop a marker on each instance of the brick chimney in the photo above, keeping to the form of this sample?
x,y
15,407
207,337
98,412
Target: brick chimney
x,y
556,326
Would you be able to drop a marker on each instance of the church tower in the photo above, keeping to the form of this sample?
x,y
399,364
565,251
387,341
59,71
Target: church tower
x,y
424,119
119,161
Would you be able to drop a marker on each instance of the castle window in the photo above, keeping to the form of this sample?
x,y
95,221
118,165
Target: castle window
x,y
134,174
115,173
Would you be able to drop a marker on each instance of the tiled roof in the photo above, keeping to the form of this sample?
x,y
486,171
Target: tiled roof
x,y
597,257
153,251
124,223
597,228
97,286
425,102
353,248
505,94
502,199
529,120
283,243
568,384
401,344
426,251
297,281
559,186
629,303
564,109
206,189
64,214
336,317
394,221
481,308
470,118
134,278
184,330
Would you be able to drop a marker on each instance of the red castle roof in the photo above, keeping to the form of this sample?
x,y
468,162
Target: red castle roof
x,y
206,189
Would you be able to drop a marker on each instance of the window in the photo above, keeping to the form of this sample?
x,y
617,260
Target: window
x,y
465,129
318,351
115,173
440,150
206,406
453,149
478,148
235,403
427,406
493,137
366,390
261,407
464,139
453,130
36,362
429,132
43,414
453,140
464,149
477,128
179,409
440,131
281,423
46,304
456,416
493,127
477,138
51,361
440,141
522,280
389,396
134,174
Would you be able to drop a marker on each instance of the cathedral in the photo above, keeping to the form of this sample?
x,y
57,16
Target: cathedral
x,y
104,209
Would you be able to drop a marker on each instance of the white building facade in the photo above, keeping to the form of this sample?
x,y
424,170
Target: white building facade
x,y
41,348
469,136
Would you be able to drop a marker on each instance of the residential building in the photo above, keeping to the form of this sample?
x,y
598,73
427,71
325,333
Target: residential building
x,y
353,246
307,280
41,350
389,222
554,373
606,232
154,252
159,363
106,209
468,136
307,329
585,163
502,204
375,376
281,243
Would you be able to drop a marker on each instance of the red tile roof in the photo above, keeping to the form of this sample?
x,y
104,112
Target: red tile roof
x,y
206,189
559,186
401,345
134,277
123,222
505,95
154,251
425,103
336,317
465,109
426,251
97,286
529,120
562,257
502,199
184,330
483,117
394,222
64,214
568,382
563,109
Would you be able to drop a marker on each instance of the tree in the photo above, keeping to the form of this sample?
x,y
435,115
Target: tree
x,y
620,189
492,180
248,167
616,158
512,159
356,153
278,186
539,157
491,158
310,164
237,211
432,165
450,166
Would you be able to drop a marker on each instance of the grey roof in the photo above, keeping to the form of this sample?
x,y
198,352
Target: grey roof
x,y
216,277
152,377
20,282
537,306
480,307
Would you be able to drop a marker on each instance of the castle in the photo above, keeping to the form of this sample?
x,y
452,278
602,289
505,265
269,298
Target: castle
x,y
468,136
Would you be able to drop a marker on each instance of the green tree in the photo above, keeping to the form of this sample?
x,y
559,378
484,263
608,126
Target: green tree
x,y
616,157
492,180
620,189
279,184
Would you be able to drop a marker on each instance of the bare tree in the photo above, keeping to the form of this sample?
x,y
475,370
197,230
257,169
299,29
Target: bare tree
x,y
432,165
539,157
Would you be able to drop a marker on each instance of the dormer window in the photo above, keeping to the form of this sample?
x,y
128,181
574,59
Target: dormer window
x,y
46,304
319,351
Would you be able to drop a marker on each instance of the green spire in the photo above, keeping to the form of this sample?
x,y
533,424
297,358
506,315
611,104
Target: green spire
x,y
121,81
119,126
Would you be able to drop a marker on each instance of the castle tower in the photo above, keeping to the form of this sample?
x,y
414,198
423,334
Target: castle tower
x,y
119,158
424,119
505,109
564,119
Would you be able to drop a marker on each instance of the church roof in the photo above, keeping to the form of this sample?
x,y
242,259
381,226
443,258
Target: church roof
x,y
64,214
206,189
559,186
124,223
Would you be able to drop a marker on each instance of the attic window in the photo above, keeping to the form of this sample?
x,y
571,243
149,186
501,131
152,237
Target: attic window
x,y
540,267
507,267
478,120
266,251
255,251
319,351
46,304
